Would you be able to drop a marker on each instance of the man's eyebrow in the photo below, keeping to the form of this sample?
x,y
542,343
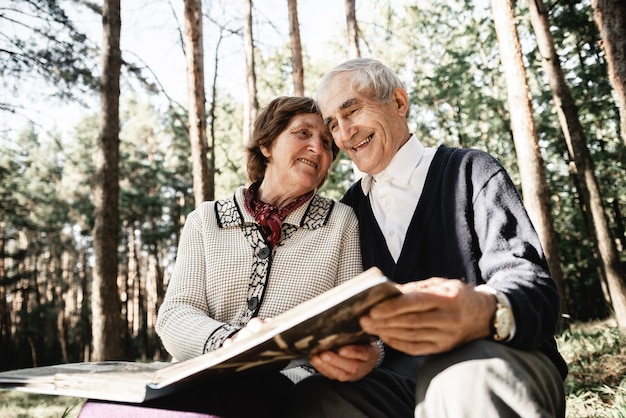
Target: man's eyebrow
x,y
347,103
343,106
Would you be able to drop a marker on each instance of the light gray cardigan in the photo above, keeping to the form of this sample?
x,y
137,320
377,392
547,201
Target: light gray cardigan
x,y
225,273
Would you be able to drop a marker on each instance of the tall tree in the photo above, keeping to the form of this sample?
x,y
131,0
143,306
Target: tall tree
x,y
251,105
353,29
589,191
203,182
610,16
296,49
106,325
529,159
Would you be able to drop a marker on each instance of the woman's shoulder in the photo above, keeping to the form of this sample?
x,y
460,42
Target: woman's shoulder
x,y
210,208
344,209
338,209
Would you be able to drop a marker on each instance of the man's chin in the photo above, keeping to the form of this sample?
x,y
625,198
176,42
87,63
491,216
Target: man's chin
x,y
364,167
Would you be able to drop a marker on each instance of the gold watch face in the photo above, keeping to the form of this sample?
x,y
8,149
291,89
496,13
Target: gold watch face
x,y
503,323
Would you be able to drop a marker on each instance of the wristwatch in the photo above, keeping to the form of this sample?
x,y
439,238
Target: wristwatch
x,y
502,320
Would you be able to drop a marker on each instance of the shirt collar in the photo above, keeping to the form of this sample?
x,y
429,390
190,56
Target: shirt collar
x,y
401,166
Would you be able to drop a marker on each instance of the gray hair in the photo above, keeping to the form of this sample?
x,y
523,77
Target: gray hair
x,y
370,77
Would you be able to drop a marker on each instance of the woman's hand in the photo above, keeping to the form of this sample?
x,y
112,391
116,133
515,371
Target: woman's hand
x,y
253,326
347,364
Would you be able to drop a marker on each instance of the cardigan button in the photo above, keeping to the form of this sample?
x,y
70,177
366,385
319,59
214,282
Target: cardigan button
x,y
253,303
264,252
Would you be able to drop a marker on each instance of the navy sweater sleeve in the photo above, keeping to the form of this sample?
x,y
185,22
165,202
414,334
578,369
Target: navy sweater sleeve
x,y
470,224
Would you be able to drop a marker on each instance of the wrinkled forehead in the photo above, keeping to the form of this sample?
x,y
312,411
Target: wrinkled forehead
x,y
339,92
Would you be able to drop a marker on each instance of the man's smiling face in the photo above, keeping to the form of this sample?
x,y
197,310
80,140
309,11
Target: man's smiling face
x,y
370,132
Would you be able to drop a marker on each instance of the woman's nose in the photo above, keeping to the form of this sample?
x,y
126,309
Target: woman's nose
x,y
316,144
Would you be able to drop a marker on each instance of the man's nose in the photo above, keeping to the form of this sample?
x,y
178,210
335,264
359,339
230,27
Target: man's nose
x,y
345,130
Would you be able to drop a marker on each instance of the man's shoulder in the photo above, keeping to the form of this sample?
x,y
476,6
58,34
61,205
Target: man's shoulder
x,y
352,196
474,157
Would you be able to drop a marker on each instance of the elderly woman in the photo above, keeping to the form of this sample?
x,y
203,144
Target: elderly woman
x,y
269,247
249,257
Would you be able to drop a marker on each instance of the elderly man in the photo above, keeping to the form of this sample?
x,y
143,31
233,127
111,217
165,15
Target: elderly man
x,y
473,332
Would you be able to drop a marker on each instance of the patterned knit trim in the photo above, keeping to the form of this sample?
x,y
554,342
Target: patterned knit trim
x,y
316,215
217,338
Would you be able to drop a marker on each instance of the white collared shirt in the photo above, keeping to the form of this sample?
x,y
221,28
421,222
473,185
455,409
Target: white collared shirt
x,y
395,191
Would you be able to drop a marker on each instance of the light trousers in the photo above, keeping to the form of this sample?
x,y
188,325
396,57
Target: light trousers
x,y
481,379
487,379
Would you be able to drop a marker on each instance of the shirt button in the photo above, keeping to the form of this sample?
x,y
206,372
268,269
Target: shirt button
x,y
253,303
264,252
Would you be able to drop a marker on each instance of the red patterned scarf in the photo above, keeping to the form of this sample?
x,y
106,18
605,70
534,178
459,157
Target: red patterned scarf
x,y
269,217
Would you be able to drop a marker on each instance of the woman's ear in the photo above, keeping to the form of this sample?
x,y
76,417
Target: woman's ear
x,y
265,151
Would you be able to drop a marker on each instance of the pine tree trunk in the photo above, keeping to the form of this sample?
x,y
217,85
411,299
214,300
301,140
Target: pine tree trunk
x,y
251,106
197,104
575,138
5,311
529,159
105,300
296,49
353,29
610,17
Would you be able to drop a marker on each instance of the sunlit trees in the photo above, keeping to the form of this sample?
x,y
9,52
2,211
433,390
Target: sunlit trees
x,y
445,52
529,159
583,168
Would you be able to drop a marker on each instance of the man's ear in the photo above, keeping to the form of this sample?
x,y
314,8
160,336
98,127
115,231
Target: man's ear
x,y
401,99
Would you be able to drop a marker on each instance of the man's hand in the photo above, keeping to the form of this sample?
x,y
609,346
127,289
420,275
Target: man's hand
x,y
431,316
349,363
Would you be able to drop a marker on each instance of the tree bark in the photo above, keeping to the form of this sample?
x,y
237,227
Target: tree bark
x,y
575,138
353,29
610,17
5,311
251,106
529,159
105,300
296,49
202,190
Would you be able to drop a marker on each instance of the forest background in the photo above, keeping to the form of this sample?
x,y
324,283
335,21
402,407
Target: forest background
x,y
67,294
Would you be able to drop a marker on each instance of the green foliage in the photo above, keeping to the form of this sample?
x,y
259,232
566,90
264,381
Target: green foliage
x,y
578,45
445,52
595,386
340,177
456,91
21,405
39,42
229,148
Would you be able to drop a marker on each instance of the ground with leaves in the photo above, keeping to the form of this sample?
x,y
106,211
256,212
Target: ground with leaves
x,y
596,385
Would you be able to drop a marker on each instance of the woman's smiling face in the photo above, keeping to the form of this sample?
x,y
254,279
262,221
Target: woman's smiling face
x,y
299,158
